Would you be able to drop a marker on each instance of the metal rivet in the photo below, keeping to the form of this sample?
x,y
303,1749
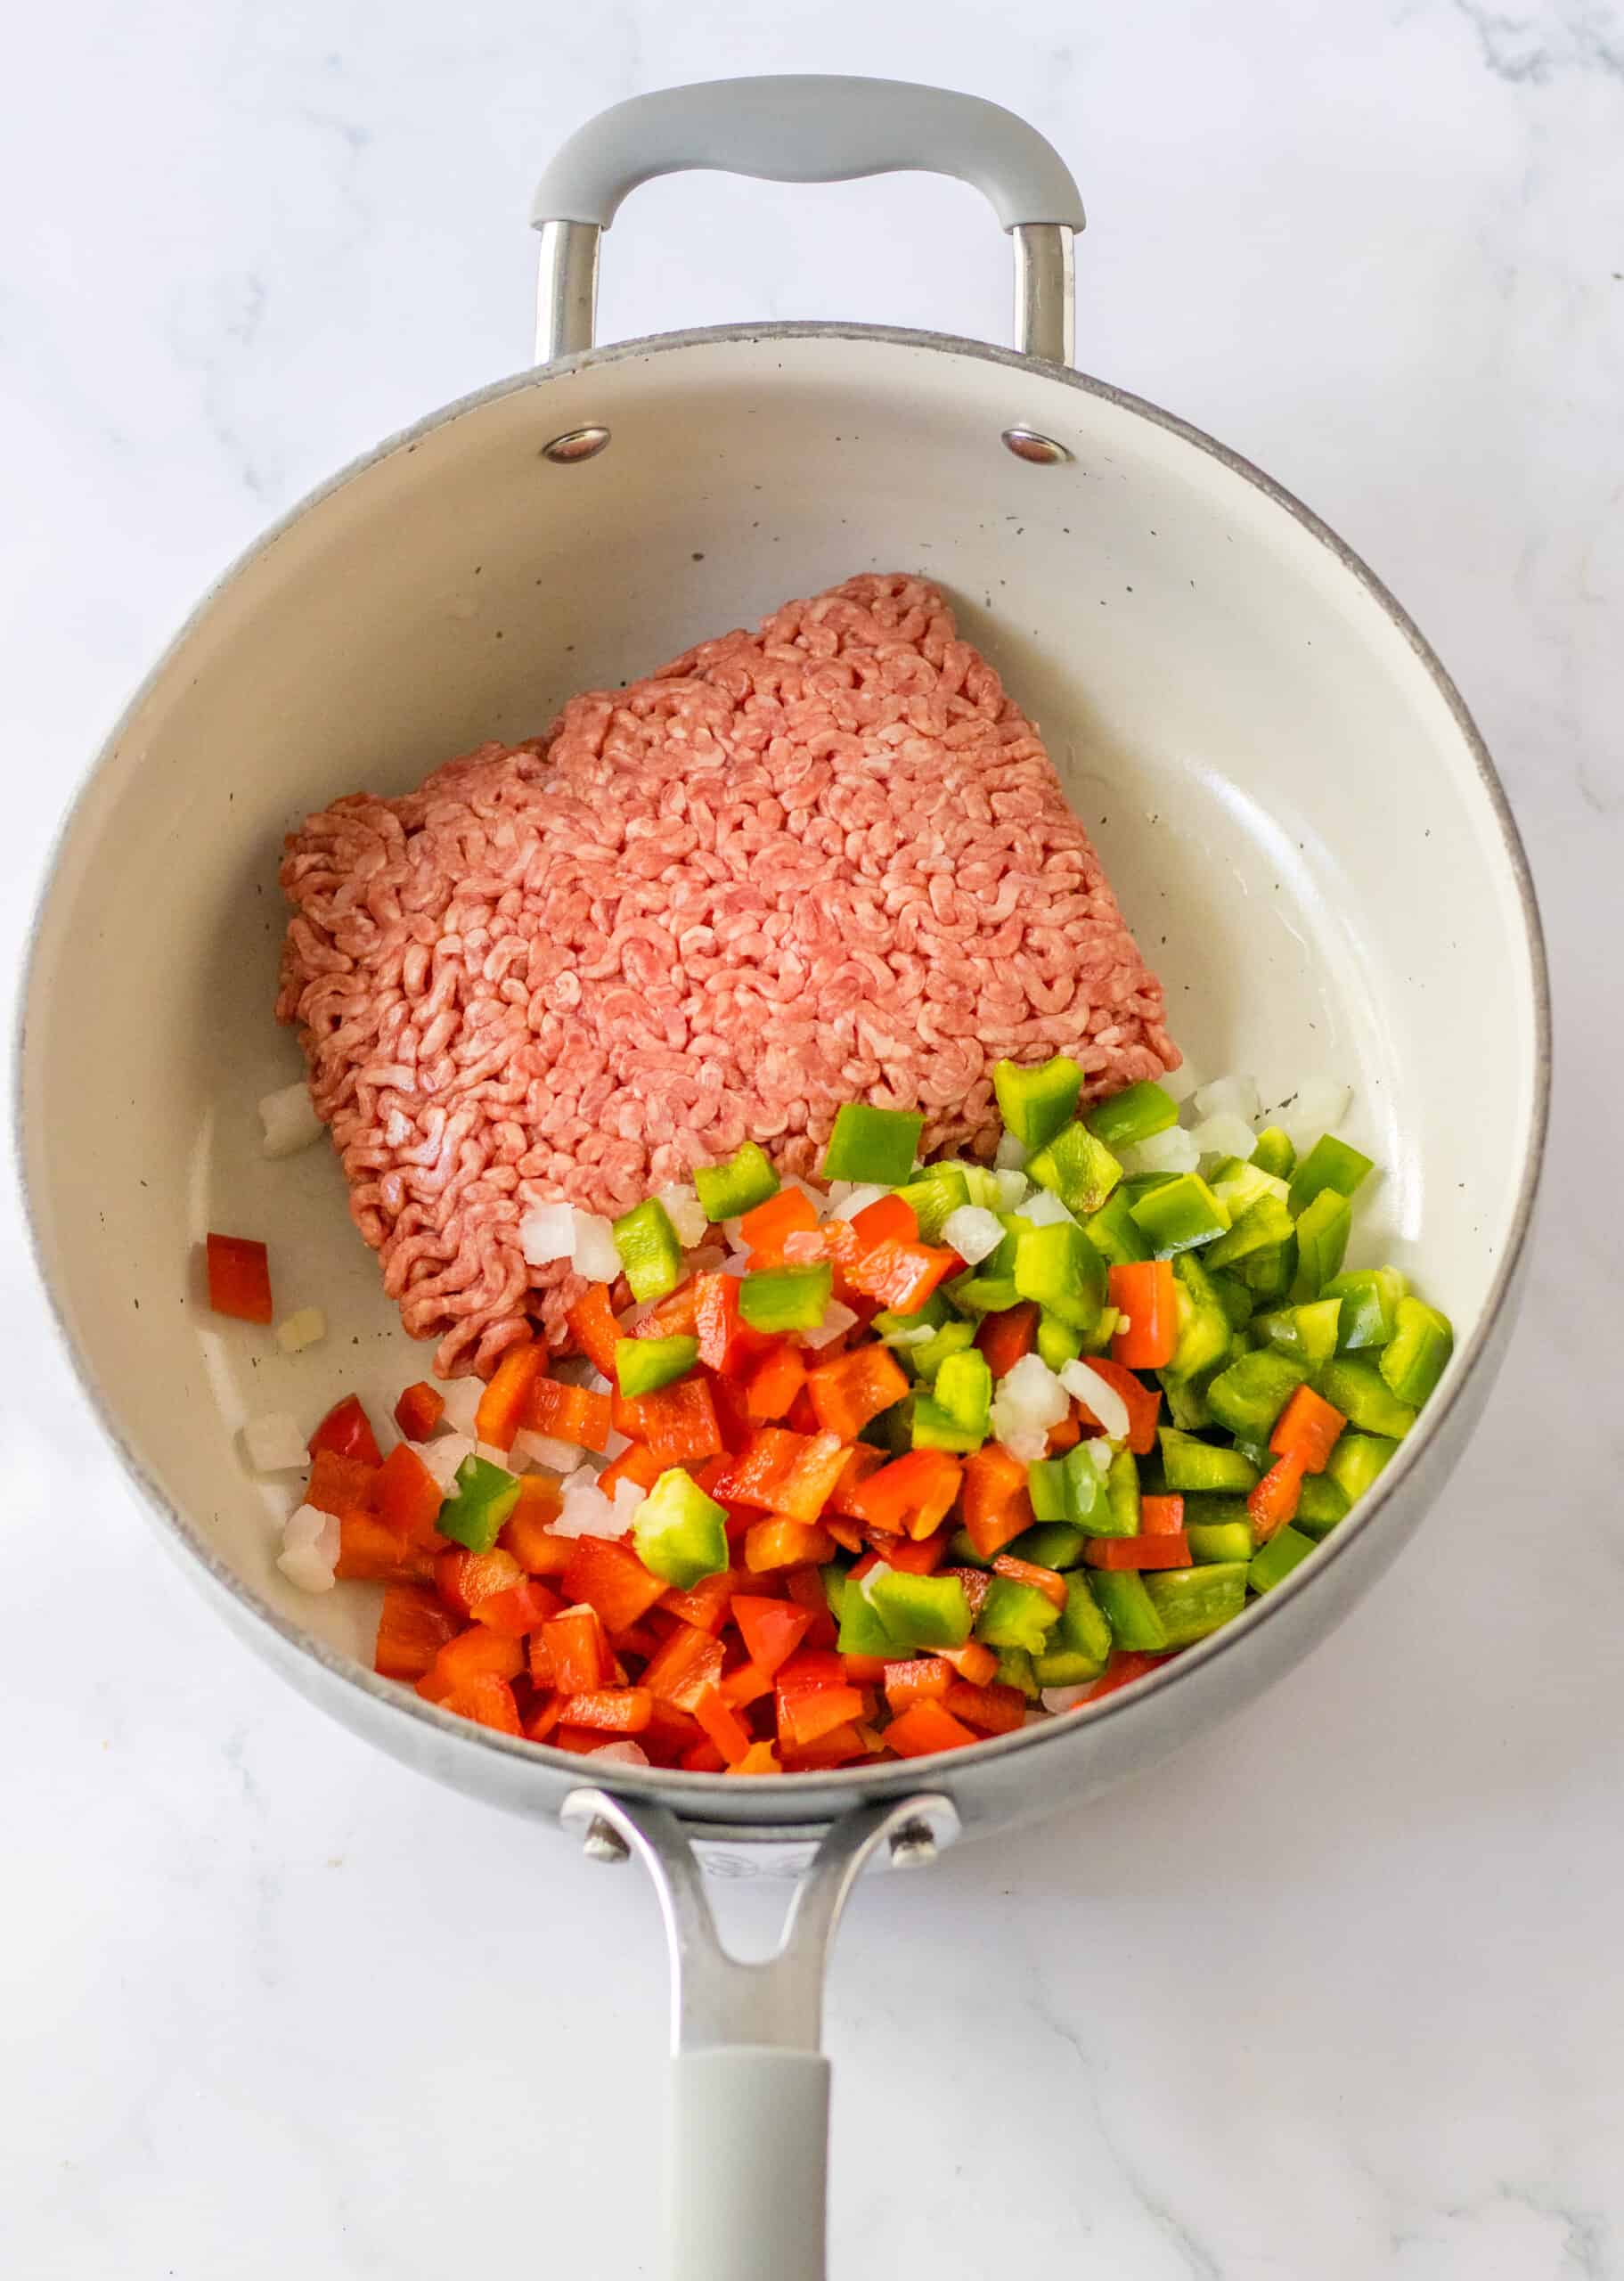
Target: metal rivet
x,y
1042,451
912,1846
603,1841
576,444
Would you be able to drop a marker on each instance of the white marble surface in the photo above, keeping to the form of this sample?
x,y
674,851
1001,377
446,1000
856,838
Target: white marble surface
x,y
1337,1994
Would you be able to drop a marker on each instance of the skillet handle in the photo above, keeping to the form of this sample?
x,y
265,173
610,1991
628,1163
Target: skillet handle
x,y
749,2137
807,128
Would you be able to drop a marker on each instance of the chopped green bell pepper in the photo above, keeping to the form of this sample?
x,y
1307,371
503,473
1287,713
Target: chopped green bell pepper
x,y
934,1427
964,1389
1273,1563
1369,1298
786,1298
1213,1508
1191,1464
1015,1616
1320,1505
650,1251
919,1611
1015,1669
989,1288
1082,1631
1235,1299
1130,1610
747,1179
961,1551
893,1429
643,1364
1330,1163
1187,1398
1269,1275
1057,1343
679,1532
1036,1103
1045,1487
1275,1153
926,1359
863,1630
931,1316
872,1145
1203,1327
1138,1113
1238,1184
1191,1602
941,1191
1249,1396
1416,1356
1113,1233
1058,1267
1356,1460
1180,1215
1307,1333
1220,1541
1120,1513
1077,1168
1051,1544
1356,1387
1322,1243
1259,1227
474,1513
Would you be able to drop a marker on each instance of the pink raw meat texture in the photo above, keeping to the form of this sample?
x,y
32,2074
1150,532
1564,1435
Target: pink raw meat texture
x,y
829,861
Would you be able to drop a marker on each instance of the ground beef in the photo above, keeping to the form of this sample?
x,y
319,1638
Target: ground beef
x,y
826,862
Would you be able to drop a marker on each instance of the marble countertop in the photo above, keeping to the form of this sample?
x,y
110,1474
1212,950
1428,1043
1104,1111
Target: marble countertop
x,y
1337,1992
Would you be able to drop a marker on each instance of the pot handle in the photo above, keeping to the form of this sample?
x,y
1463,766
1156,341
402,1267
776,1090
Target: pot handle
x,y
747,2141
807,128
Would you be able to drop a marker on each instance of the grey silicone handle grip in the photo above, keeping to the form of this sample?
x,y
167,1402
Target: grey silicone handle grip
x,y
805,128
747,2177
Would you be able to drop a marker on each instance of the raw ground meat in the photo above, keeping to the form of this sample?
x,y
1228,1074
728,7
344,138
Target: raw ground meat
x,y
829,860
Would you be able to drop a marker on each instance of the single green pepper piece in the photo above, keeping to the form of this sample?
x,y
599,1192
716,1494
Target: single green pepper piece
x,y
746,1180
1015,1616
1330,1163
931,1316
786,1298
1203,1327
893,1429
1275,1153
650,1251
1218,1540
1249,1396
1307,1333
1051,1544
863,1630
643,1364
679,1532
1035,1103
1269,1275
1119,1515
1235,1299
941,1192
1138,1184
1320,1505
920,1610
1356,1460
1062,1667
1187,1398
1057,1343
980,1182
1082,1630
1130,1610
1014,1670
1138,1113
936,1428
1355,1386
835,1579
1113,1233
1045,1487
1089,1493
1238,1185
1369,1299
1191,1602
1210,1508
1077,1168
1259,1227
1322,1243
925,1360
474,1513
1180,1215
875,1145
1273,1563
1418,1352
964,1389
1059,1268
1191,1464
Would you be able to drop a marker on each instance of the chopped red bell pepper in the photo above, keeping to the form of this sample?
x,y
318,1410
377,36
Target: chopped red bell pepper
x,y
520,1610
464,1578
753,1476
678,1422
975,1661
1144,1402
771,1630
774,1382
861,1460
579,1651
1068,1432
723,1726
406,1496
839,1747
802,1418
901,1276
1005,1338
1145,1292
1143,1551
612,1710
414,1624
706,1606
1276,1498
804,1587
997,1506
917,1676
528,1532
340,1485
803,1490
919,1556
420,1410
369,1551
502,1404
744,1686
489,1702
610,1577
889,1219
703,1757
716,1322
238,1278
991,1710
636,1464
850,1389
918,1487
472,1654
1162,1516
1125,1666
761,1758
346,1431
594,1329
688,1664
1307,1427
1047,1581
568,1413
786,1543
807,1712
762,1230
675,1316
925,1727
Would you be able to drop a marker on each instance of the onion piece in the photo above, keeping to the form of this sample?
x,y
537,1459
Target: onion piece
x,y
1011,1153
972,1232
547,1232
1065,1698
1172,1151
307,1327
624,1753
275,1444
530,1448
586,1511
310,1549
289,1120
1027,1401
1044,1208
1232,1096
1100,1398
595,1254
857,1199
1225,1135
461,1397
1012,1187
920,1337
685,1213
444,1455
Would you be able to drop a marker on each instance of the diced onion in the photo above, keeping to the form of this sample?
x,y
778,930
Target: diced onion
x,y
586,1511
310,1549
857,1199
1012,1186
1319,1107
547,1232
1172,1151
461,1397
289,1120
595,1256
308,1327
1029,1399
834,1319
492,1455
1225,1135
1011,1153
1099,1455
1065,1698
1044,1208
974,1234
1232,1096
621,1754
921,1336
1099,1397
628,1502
444,1455
530,1448
275,1444
685,1212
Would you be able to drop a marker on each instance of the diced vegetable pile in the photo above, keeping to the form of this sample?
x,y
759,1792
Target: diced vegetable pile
x,y
932,1446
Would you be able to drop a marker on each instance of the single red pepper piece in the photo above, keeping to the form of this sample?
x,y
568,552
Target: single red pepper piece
x,y
420,1410
839,1747
849,1390
414,1624
991,1710
744,1686
803,1490
762,1230
760,1759
997,1508
916,1556
925,1727
703,1757
678,1422
1126,1666
1144,1402
1145,1292
472,1654
346,1431
407,1497
1068,1432
1142,1551
610,1577
804,1587
805,1715
612,1710
579,1651
901,1276
716,1321
780,1542
502,1404
636,1464
975,1661
919,1486
520,1610
690,1662
1047,1581
753,1476
675,1316
918,1676
802,1418
1276,1498
340,1485
774,1382
889,1219
594,1329
239,1278
528,1532
772,1630
1009,1335
489,1702
370,1552
723,1726
1307,1427
706,1605
1161,1516
464,1578
568,1413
